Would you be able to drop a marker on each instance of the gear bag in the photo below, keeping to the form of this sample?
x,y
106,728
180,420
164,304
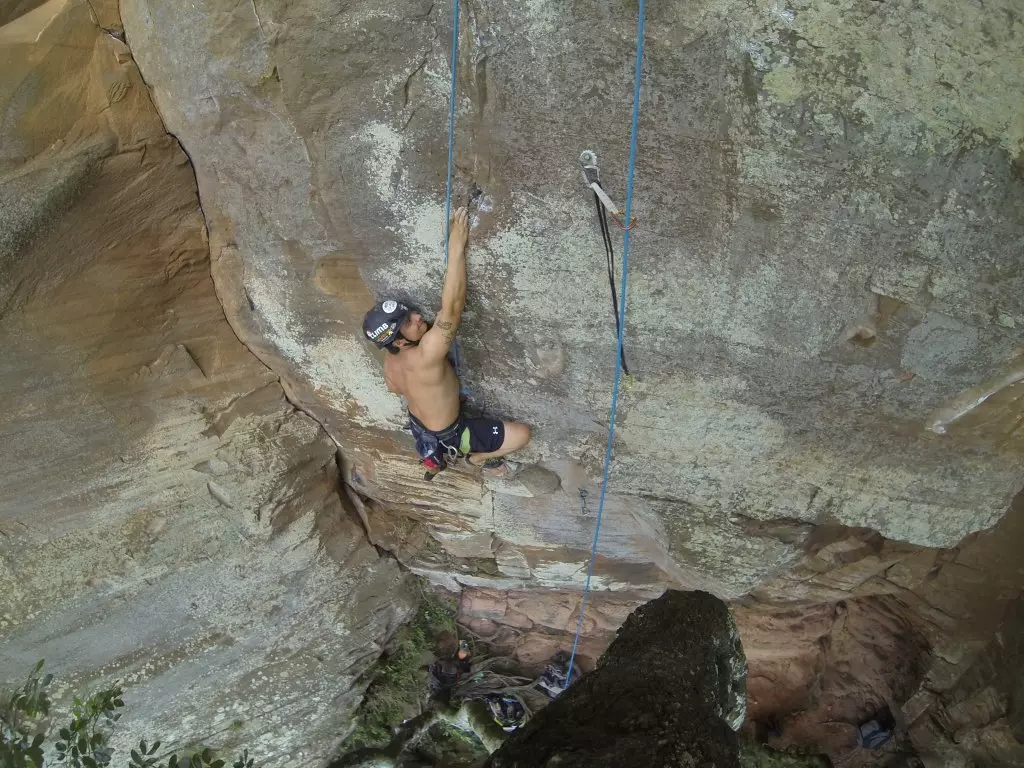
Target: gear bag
x,y
556,676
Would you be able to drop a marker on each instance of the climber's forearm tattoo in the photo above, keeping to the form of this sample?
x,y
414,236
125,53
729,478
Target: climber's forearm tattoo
x,y
447,329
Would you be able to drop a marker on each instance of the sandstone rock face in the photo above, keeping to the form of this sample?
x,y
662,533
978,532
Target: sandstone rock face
x,y
824,325
827,257
533,626
167,517
825,291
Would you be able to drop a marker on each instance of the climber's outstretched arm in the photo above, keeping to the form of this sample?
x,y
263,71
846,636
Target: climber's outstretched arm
x,y
439,339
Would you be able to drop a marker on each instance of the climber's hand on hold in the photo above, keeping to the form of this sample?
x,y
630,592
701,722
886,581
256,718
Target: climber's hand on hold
x,y
459,230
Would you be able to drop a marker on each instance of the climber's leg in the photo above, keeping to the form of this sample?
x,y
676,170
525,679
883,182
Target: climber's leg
x,y
486,439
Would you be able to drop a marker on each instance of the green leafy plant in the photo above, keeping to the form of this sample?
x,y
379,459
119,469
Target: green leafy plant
x,y
25,726
83,742
399,682
142,758
22,722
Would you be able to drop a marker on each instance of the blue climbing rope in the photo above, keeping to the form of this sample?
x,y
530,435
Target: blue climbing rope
x,y
622,326
451,158
451,128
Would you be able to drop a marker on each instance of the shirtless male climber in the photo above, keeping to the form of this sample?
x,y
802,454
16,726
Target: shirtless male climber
x,y
418,367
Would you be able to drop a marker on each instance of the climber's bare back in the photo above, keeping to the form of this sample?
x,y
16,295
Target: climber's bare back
x,y
428,384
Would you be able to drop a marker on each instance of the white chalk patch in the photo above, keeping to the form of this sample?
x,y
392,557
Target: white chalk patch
x,y
345,369
340,369
385,145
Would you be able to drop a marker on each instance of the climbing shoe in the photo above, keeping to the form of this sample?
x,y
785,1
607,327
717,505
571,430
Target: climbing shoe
x,y
498,467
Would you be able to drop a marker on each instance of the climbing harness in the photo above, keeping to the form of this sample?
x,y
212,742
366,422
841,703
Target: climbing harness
x,y
604,204
621,323
436,449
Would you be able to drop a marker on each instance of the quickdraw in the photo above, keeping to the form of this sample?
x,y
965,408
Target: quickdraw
x,y
604,204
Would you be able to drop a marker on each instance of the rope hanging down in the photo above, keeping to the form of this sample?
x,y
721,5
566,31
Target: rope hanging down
x,y
451,128
451,157
621,324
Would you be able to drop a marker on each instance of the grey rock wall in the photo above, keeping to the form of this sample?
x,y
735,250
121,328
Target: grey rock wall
x,y
828,252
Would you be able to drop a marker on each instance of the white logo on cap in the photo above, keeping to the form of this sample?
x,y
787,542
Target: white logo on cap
x,y
389,306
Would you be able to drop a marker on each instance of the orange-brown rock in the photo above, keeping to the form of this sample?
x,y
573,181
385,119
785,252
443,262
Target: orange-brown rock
x,y
167,518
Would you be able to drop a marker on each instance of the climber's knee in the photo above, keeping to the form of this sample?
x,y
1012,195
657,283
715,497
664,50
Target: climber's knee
x,y
516,437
